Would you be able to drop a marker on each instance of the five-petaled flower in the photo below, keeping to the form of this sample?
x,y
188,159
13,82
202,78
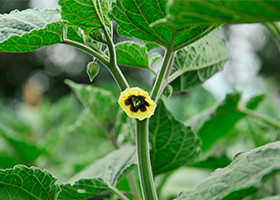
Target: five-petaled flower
x,y
137,103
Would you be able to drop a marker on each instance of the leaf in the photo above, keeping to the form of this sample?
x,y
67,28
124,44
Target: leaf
x,y
92,70
197,62
101,175
87,126
244,176
25,150
222,11
135,17
255,101
83,189
217,122
27,30
101,103
271,198
172,143
83,13
22,182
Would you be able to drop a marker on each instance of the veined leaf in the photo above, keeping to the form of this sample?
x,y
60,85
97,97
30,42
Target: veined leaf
x,y
101,103
222,11
172,143
22,182
101,175
27,30
132,54
244,176
197,62
135,17
84,13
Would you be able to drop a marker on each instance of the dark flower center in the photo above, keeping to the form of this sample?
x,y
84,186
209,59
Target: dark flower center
x,y
136,103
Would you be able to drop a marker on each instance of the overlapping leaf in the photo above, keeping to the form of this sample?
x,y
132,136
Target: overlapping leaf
x,y
135,17
197,62
27,30
22,183
84,13
217,122
222,11
244,176
132,54
172,143
101,175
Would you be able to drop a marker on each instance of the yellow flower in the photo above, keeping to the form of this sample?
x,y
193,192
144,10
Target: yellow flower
x,y
137,103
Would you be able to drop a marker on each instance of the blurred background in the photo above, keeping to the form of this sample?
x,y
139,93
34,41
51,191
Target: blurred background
x,y
28,79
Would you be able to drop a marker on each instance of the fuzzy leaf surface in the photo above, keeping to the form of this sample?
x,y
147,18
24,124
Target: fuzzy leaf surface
x,y
27,30
83,13
172,143
243,177
222,11
135,17
197,62
24,183
100,175
99,102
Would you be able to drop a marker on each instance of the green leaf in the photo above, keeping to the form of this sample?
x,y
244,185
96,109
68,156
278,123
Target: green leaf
x,y
271,198
224,119
83,13
243,177
222,11
197,62
101,175
92,70
89,127
27,30
22,182
25,150
255,101
215,123
101,103
135,17
172,143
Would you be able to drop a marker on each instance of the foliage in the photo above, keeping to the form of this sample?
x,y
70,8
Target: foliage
x,y
91,147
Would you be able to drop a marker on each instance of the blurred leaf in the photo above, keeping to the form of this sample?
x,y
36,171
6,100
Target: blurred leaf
x,y
197,62
218,121
101,103
7,160
22,182
135,17
153,57
27,30
101,175
86,125
25,150
222,11
213,162
172,143
244,176
83,13
271,198
255,101
92,70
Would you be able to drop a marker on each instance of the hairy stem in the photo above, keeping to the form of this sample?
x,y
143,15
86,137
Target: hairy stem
x,y
259,116
144,163
164,71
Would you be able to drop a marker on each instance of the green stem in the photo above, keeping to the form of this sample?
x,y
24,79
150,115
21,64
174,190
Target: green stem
x,y
164,71
144,163
119,193
259,116
88,50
